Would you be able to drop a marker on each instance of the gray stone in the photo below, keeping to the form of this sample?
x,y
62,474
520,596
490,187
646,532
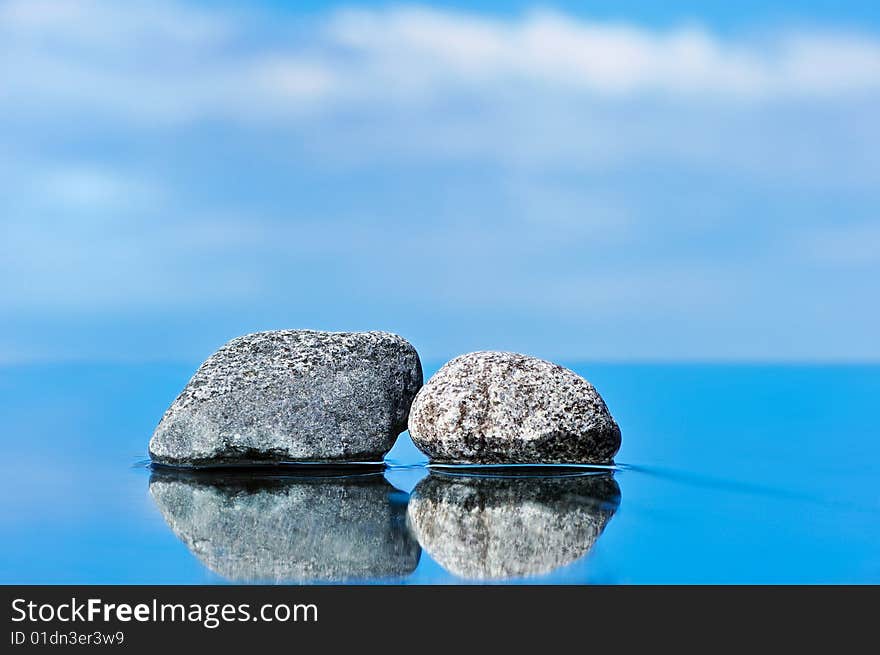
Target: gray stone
x,y
505,408
289,529
491,528
292,396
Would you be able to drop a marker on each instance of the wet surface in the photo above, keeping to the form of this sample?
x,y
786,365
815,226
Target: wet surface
x,y
261,527
726,474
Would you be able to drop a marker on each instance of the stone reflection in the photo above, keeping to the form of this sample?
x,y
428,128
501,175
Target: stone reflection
x,y
280,528
491,527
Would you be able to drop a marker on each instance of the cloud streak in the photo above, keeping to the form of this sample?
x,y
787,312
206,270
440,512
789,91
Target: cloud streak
x,y
604,59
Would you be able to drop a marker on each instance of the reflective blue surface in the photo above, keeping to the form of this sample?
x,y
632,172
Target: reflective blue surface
x,y
728,473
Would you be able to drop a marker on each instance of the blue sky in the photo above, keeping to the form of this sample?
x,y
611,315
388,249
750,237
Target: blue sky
x,y
612,181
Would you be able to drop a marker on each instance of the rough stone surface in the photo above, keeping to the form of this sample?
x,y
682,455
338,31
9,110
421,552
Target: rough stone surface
x,y
489,528
283,529
292,395
496,408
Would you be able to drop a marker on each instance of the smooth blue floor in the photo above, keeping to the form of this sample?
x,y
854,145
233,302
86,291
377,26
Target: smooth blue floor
x,y
729,474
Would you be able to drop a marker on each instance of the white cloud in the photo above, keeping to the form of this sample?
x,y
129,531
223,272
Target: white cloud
x,y
103,23
439,48
159,158
532,91
172,62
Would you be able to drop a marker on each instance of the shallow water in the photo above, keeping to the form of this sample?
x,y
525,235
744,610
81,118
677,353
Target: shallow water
x,y
744,474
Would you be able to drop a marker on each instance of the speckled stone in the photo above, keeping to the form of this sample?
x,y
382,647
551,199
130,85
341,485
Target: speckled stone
x,y
496,407
292,396
285,529
492,528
